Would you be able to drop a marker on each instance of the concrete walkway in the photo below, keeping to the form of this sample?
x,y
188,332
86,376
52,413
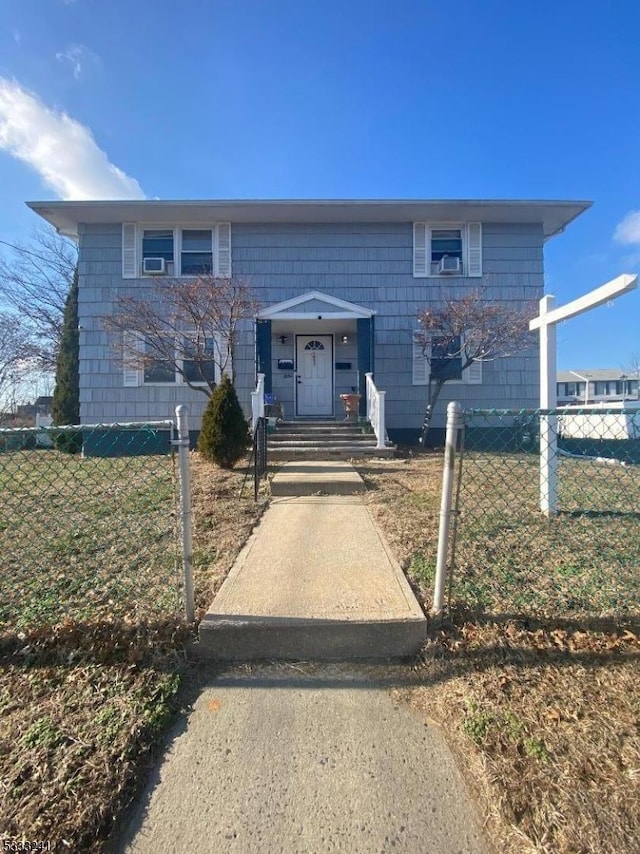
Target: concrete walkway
x,y
308,758
305,760
316,581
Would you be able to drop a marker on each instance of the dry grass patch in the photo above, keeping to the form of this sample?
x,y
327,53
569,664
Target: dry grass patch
x,y
540,701
92,646
547,724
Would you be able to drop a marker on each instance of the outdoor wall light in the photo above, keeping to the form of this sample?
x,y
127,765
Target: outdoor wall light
x,y
283,339
345,339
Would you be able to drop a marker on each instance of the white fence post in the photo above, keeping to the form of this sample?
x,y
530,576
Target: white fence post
x,y
257,403
454,423
182,416
546,323
548,423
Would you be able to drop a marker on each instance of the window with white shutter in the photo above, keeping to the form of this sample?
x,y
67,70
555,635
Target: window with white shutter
x,y
447,249
442,360
150,250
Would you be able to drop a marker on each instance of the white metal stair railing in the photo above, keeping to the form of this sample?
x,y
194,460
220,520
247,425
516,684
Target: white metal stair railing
x,y
375,411
257,403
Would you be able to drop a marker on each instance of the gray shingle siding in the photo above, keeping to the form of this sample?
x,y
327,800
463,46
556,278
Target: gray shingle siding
x,y
367,264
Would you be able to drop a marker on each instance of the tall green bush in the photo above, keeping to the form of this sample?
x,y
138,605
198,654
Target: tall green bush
x,y
65,408
224,434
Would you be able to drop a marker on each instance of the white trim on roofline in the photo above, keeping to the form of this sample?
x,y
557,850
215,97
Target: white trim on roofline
x,y
284,309
554,216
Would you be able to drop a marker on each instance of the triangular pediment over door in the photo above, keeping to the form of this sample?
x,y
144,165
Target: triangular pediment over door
x,y
314,305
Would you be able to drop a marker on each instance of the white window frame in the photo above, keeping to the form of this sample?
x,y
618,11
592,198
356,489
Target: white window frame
x,y
177,230
429,228
471,375
179,380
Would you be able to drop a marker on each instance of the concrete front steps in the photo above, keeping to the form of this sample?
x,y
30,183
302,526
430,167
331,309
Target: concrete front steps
x,y
323,440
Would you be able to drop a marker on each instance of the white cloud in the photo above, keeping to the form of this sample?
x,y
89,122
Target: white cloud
x,y
78,56
61,150
16,35
628,231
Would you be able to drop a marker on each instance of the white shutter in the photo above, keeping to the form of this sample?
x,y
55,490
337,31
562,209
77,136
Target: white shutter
x,y
420,234
421,370
473,374
223,246
131,375
474,249
129,251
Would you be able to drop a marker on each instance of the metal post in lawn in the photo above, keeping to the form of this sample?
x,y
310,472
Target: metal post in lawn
x,y
182,416
454,423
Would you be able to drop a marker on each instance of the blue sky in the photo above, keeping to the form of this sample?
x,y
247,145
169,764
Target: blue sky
x,y
339,99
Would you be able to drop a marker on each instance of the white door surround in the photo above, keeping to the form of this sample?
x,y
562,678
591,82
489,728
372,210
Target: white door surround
x,y
314,381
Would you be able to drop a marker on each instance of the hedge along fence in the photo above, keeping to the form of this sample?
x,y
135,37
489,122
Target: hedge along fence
x,y
93,534
506,556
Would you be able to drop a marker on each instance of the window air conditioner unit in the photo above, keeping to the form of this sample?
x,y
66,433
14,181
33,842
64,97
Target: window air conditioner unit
x,y
449,264
153,266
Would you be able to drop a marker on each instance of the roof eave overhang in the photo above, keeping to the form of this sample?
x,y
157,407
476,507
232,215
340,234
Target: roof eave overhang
x,y
553,215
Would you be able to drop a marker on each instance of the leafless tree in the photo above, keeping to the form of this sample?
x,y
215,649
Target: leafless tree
x,y
35,278
467,330
17,356
188,325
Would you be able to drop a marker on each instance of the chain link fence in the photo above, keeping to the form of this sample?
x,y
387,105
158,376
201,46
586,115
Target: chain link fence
x,y
582,557
89,524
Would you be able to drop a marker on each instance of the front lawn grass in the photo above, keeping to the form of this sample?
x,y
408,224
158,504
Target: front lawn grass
x,y
92,639
533,675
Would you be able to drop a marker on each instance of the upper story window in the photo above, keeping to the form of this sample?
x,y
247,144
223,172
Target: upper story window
x,y
196,257
156,251
158,243
447,249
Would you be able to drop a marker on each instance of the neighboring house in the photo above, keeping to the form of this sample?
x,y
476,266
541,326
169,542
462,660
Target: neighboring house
x,y
599,385
339,284
42,406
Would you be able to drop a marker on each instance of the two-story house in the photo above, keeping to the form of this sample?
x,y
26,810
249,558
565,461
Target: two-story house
x,y
586,386
339,284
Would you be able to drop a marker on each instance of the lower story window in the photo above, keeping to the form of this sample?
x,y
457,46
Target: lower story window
x,y
179,360
201,367
446,358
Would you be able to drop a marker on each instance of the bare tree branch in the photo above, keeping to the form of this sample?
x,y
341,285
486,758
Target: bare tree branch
x,y
17,354
470,329
188,325
34,282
